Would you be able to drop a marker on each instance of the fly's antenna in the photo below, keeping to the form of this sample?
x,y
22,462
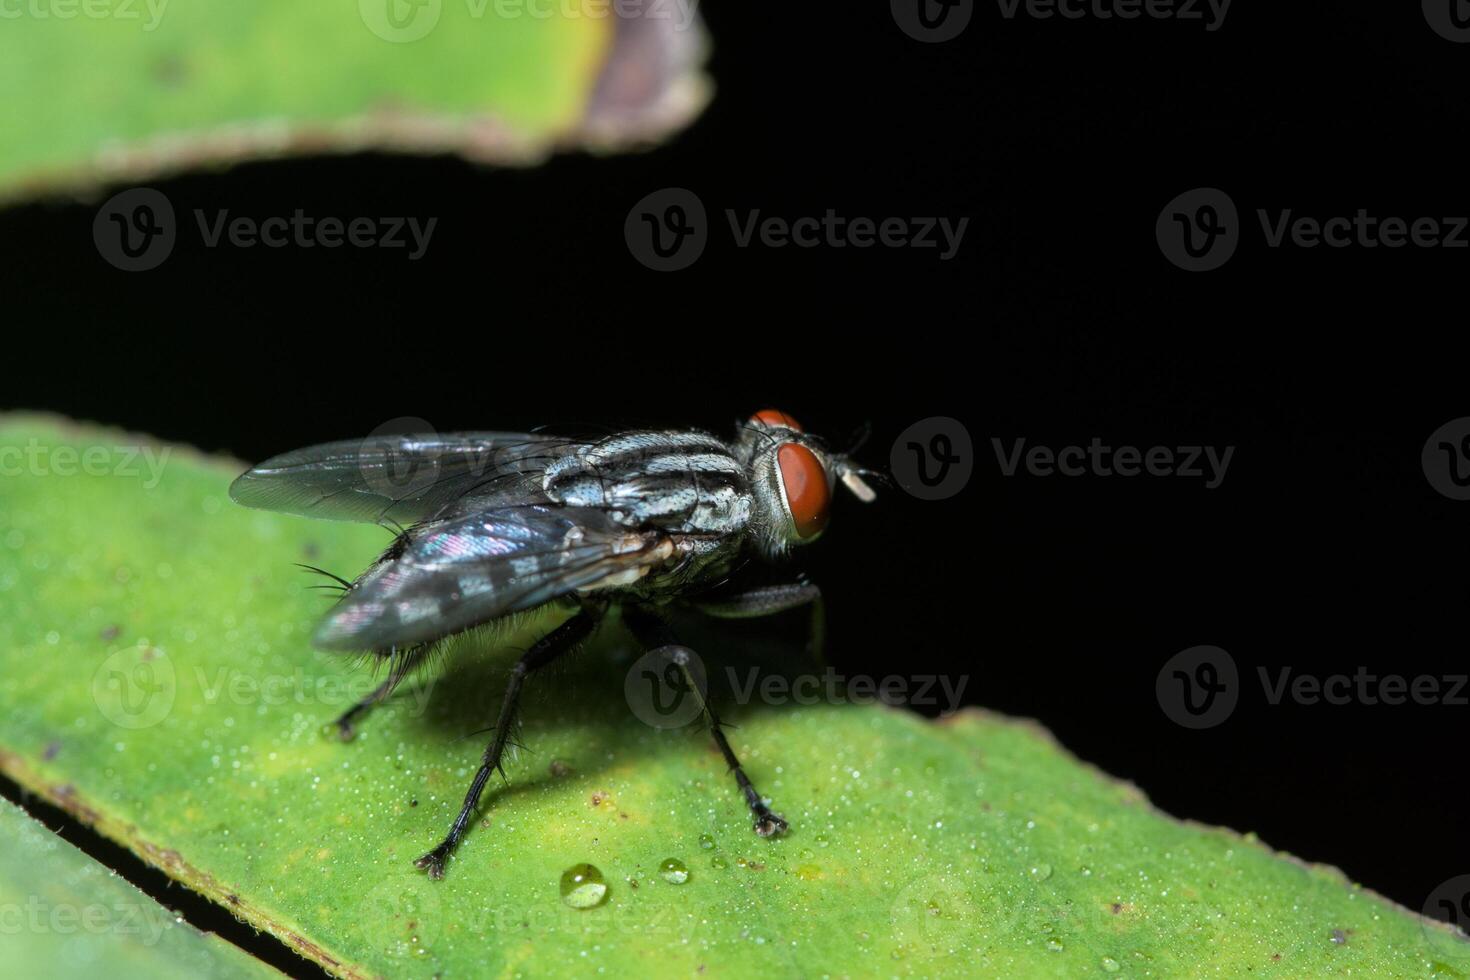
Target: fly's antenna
x,y
852,477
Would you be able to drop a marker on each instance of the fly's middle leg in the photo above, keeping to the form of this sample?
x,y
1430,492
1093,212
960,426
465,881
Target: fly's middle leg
x,y
551,646
654,633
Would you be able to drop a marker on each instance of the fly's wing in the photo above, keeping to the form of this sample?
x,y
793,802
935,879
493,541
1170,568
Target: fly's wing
x,y
403,478
469,569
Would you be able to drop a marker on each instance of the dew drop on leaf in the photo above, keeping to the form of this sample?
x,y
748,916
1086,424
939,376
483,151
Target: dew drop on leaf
x,y
583,887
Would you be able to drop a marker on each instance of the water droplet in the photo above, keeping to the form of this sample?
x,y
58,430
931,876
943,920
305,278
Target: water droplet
x,y
809,872
1054,946
822,841
1111,965
706,842
1041,872
583,887
673,871
718,863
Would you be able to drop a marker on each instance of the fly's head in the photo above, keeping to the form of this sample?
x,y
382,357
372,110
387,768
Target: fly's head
x,y
792,476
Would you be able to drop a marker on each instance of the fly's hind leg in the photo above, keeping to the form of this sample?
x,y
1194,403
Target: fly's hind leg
x,y
654,633
561,640
401,663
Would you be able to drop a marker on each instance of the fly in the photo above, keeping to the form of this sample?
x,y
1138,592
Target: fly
x,y
492,524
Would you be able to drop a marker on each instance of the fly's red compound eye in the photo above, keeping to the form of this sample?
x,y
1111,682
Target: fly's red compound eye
x,y
772,417
804,482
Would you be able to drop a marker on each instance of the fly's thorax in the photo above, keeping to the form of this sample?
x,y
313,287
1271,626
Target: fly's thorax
x,y
686,482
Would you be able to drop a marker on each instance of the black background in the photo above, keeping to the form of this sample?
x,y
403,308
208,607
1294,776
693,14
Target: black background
x,y
1325,548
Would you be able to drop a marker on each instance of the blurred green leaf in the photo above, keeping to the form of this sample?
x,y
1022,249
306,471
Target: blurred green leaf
x,y
125,89
64,915
157,681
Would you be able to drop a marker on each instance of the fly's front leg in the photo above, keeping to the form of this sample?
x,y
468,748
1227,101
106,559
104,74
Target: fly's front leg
x,y
769,600
551,646
654,633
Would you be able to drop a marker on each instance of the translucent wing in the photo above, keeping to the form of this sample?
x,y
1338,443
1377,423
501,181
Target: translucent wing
x,y
473,567
403,478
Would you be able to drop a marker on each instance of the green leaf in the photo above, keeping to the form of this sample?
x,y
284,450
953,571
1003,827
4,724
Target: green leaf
x,y
63,914
126,89
156,680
